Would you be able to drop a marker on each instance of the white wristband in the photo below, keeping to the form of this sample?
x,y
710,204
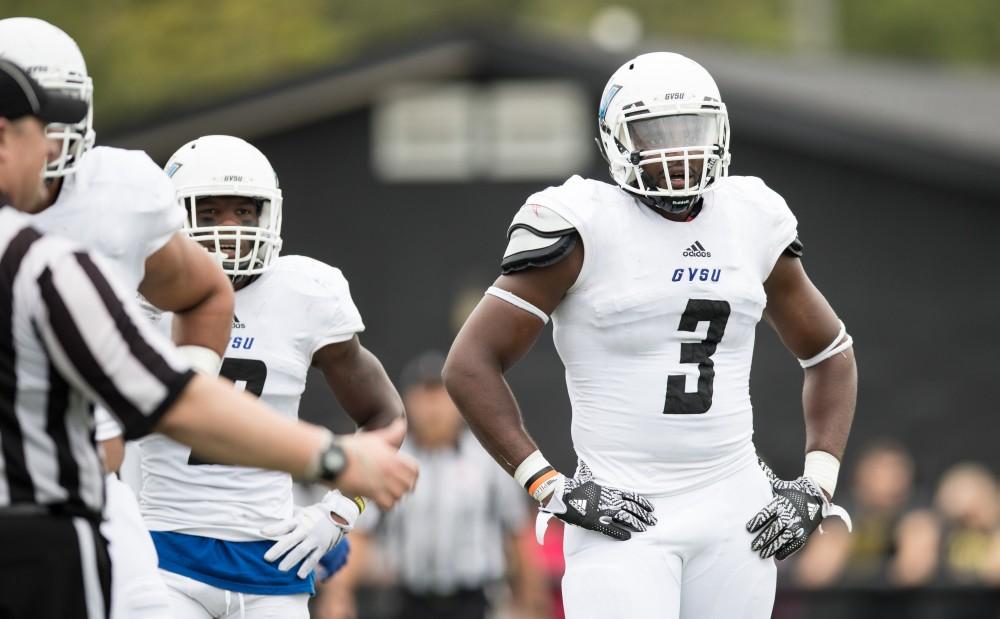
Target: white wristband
x,y
536,475
204,360
822,468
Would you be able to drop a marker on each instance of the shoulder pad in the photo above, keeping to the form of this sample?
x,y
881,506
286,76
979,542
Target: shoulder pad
x,y
309,277
794,248
122,167
537,237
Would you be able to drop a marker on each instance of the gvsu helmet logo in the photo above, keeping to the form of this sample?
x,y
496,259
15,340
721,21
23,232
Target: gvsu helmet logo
x,y
697,250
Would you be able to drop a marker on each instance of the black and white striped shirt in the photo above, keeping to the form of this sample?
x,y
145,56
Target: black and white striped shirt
x,y
69,338
450,533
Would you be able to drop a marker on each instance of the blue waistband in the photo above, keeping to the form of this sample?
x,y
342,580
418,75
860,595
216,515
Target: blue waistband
x,y
233,566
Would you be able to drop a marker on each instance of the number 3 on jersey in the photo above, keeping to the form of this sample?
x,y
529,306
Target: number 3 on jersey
x,y
716,314
251,372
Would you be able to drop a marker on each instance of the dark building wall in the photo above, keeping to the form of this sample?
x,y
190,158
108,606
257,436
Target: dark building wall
x,y
908,265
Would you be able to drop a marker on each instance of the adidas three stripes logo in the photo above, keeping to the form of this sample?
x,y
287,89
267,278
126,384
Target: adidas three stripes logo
x,y
697,250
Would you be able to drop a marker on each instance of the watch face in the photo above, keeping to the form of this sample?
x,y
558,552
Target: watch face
x,y
334,461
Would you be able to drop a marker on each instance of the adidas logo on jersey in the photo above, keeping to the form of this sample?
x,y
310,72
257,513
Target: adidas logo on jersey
x,y
697,250
579,505
237,323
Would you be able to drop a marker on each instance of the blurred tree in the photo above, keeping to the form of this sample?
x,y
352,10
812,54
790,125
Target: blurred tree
x,y
152,56
966,32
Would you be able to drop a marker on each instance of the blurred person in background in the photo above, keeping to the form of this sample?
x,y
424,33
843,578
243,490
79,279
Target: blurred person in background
x,y
967,501
881,494
229,540
655,285
459,535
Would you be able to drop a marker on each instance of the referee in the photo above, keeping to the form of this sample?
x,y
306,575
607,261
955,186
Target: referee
x,y
67,340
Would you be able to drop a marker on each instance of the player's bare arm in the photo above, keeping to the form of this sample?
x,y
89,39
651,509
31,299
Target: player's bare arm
x,y
496,335
181,277
359,383
810,329
807,325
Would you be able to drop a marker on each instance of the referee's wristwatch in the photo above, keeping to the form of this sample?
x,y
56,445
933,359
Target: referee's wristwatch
x,y
332,462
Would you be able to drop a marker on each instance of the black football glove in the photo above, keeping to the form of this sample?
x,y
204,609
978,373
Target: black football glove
x,y
582,502
797,509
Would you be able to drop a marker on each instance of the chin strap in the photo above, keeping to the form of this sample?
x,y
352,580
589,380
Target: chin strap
x,y
674,206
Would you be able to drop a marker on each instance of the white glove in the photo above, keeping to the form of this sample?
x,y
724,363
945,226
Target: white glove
x,y
308,535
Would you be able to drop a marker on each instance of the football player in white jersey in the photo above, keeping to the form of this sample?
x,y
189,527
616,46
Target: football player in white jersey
x,y
655,285
119,204
215,526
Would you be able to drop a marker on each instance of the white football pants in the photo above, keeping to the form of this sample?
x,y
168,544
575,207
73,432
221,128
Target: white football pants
x,y
137,591
696,563
192,599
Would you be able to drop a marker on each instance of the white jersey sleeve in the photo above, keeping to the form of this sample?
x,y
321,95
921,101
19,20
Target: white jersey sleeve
x,y
328,295
573,200
120,205
148,200
106,427
579,201
766,216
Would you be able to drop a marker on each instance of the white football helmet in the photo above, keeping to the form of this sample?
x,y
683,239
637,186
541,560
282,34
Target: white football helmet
x,y
221,165
51,57
663,112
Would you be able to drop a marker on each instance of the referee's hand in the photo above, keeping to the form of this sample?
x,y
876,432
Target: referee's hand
x,y
375,468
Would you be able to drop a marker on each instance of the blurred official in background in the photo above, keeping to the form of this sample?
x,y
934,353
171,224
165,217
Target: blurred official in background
x,y
456,537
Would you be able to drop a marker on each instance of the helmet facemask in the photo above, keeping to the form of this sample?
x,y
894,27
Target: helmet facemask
x,y
669,153
254,248
75,139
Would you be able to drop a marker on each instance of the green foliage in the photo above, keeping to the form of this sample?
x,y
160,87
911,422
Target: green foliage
x,y
962,31
757,23
152,56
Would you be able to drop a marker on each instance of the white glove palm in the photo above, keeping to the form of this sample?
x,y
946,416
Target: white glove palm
x,y
308,535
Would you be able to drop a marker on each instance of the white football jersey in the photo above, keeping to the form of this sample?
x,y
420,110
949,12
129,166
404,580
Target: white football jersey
x,y
118,204
295,308
657,333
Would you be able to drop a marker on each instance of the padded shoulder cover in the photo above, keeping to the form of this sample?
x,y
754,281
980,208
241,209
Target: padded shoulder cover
x,y
538,237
